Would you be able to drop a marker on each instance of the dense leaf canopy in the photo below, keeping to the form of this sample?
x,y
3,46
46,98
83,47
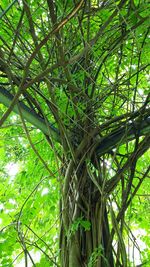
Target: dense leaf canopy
x,y
75,117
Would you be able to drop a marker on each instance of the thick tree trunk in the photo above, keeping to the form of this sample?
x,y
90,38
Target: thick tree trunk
x,y
84,224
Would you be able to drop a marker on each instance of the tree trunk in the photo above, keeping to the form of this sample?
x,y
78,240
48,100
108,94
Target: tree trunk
x,y
84,223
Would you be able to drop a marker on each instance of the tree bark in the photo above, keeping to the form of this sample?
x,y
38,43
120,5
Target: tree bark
x,y
83,204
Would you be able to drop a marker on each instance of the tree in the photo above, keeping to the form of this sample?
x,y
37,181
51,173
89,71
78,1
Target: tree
x,y
78,72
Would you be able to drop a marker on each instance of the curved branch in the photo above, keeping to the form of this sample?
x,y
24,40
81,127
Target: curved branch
x,y
29,115
126,133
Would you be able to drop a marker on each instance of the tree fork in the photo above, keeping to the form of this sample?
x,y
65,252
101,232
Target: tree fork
x,y
114,139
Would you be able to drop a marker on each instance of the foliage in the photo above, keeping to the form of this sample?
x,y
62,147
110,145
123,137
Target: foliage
x,y
79,222
96,253
74,162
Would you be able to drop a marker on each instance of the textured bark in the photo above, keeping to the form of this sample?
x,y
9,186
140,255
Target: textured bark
x,y
84,202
